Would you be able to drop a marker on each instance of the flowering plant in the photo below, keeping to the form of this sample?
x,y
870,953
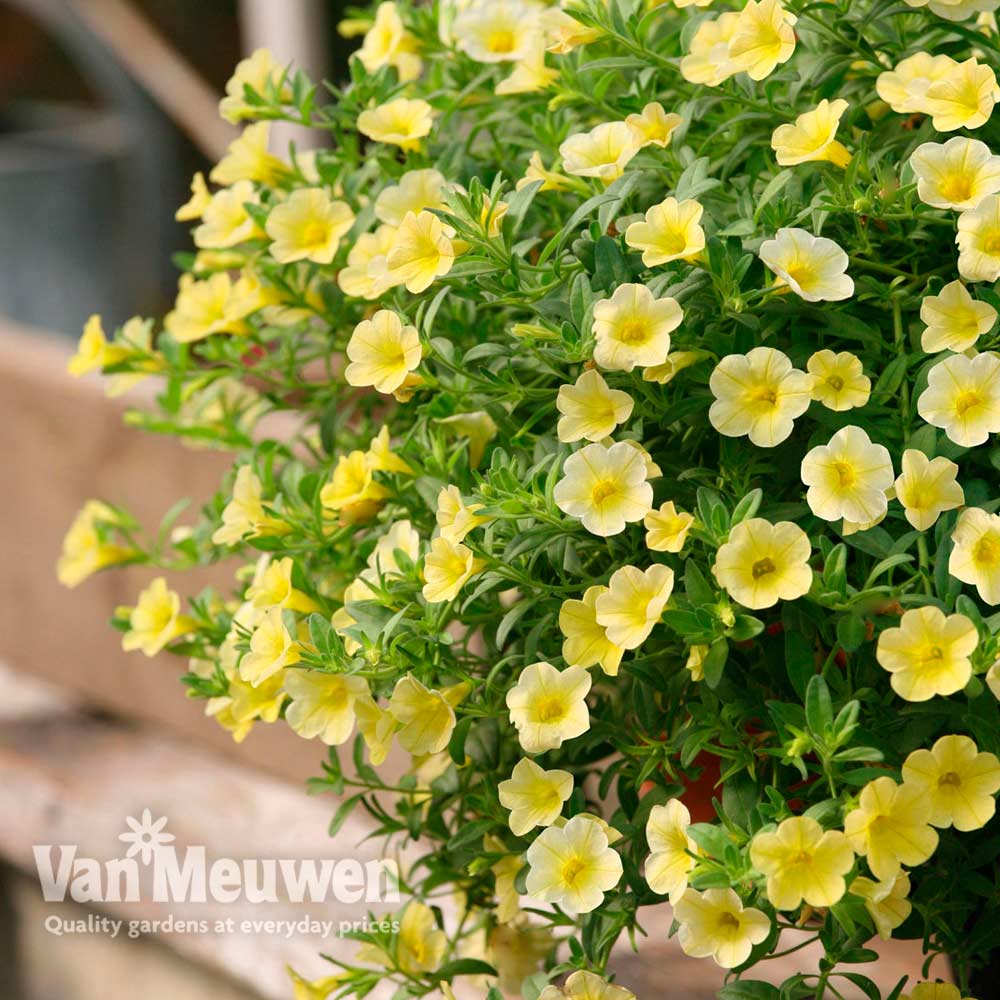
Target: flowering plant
x,y
642,440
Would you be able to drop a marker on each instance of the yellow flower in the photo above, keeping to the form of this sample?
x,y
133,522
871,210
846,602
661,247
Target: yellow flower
x,y
259,72
839,380
272,648
890,827
672,231
272,587
812,137
695,664
308,226
388,43
323,704
885,902
156,620
248,159
215,305
420,944
605,488
586,986
653,126
447,568
763,563
993,679
672,851
366,275
498,30
477,427
382,352
427,717
415,191
533,795
565,33
516,950
548,707
978,241
758,394
85,549
955,320
454,517
551,179
963,398
934,991
764,38
316,989
904,88
586,641
927,488
956,174
401,122
708,60
377,726
197,203
975,558
848,477
633,328
802,862
603,152
811,266
631,606
244,515
954,10
530,74
667,528
572,866
249,702
591,410
715,924
963,97
960,782
225,219
352,491
93,351
421,252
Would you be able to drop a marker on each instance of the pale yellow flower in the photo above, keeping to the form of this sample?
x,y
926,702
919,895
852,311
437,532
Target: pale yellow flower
x,y
530,74
156,620
603,152
85,549
426,717
672,851
708,60
667,528
671,231
960,782
377,727
978,241
954,10
676,362
935,990
956,174
928,653
586,986
764,38
491,31
551,180
813,136
420,945
605,487
456,518
590,410
963,97
963,398
975,558
388,43
758,394
414,192
366,275
653,126
248,159
572,866
260,73
225,219
272,648
955,320
215,305
548,706
695,663
839,382
811,266
715,924
763,563
308,226
632,605
927,488
891,827
272,587
447,568
382,352
400,122
885,902
633,328
848,477
323,704
564,33
353,491
586,641
421,252
244,515
197,203
533,795
904,88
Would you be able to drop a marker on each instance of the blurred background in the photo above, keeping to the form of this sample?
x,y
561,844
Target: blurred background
x,y
107,108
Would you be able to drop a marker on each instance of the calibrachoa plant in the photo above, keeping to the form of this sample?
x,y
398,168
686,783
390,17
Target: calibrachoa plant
x,y
637,481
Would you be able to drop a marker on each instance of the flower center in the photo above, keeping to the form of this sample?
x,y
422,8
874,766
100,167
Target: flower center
x,y
846,475
967,401
551,709
933,653
987,551
762,567
952,778
801,858
728,922
603,490
501,40
835,382
633,331
764,394
572,870
991,243
958,187
314,234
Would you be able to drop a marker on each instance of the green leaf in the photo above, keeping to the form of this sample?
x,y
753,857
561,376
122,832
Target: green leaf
x,y
696,586
715,662
819,707
749,989
851,632
800,661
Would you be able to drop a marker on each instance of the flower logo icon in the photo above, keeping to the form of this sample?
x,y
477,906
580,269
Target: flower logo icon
x,y
145,837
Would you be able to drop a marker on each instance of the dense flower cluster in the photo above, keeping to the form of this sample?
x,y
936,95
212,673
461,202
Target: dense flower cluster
x,y
642,361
